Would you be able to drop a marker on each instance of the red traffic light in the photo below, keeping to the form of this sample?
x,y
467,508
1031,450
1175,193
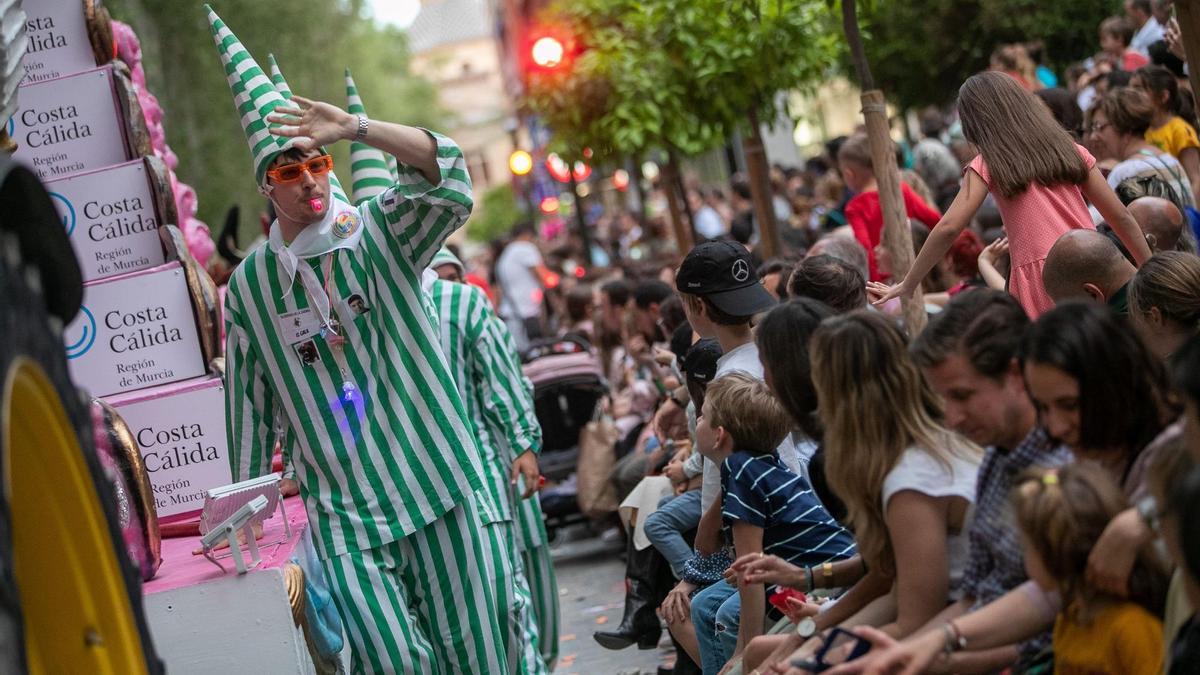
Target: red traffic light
x,y
547,52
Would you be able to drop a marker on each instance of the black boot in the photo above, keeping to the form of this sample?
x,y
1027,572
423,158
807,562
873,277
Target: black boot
x,y
640,623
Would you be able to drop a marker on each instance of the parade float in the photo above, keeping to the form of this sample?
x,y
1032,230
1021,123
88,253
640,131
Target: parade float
x,y
117,518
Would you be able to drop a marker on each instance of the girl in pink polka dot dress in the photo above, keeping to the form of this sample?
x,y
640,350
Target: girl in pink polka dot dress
x,y
1041,181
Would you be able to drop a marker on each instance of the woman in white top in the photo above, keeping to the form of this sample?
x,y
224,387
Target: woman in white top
x,y
907,481
1117,130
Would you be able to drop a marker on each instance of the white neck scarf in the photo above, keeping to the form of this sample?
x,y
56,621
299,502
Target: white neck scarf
x,y
340,228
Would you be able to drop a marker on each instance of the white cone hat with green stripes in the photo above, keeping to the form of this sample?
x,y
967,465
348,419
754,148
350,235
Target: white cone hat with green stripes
x,y
254,96
281,85
369,172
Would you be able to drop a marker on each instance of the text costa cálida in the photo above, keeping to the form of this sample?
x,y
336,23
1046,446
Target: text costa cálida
x,y
140,329
175,447
116,219
50,127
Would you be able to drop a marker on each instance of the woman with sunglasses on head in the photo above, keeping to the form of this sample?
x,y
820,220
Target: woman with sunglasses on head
x,y
372,419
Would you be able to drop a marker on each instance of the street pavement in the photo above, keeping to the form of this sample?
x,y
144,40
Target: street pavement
x,y
591,589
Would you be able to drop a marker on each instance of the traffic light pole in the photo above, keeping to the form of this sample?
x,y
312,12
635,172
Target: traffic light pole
x,y
581,222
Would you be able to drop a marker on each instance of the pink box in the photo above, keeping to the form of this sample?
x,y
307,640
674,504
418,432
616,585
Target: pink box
x,y
180,429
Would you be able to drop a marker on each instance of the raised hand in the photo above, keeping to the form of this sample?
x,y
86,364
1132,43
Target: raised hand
x,y
992,252
318,122
880,293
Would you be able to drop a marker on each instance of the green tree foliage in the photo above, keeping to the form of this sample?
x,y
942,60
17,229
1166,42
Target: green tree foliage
x,y
495,214
921,51
679,75
313,42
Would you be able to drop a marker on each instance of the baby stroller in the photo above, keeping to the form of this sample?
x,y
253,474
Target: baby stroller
x,y
568,384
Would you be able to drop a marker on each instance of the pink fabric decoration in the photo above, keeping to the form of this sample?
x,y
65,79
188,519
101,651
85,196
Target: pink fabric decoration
x,y
195,233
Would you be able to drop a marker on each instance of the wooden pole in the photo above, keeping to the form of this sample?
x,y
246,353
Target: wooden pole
x,y
897,236
760,188
682,230
681,190
585,237
1188,14
635,177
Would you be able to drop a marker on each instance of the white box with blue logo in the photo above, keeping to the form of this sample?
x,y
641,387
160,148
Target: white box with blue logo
x,y
135,331
70,124
180,429
111,217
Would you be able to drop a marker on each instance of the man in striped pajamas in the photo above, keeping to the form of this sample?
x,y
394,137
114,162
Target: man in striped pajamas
x,y
326,323
499,401
529,526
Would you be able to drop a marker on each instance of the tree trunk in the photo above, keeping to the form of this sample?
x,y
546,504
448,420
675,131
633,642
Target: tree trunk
x,y
635,178
585,237
760,189
681,228
1188,13
897,236
681,191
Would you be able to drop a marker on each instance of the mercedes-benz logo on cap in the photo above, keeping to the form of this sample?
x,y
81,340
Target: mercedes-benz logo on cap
x,y
741,270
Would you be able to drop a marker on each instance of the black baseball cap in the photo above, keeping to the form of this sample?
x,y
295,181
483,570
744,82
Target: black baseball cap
x,y
700,362
722,272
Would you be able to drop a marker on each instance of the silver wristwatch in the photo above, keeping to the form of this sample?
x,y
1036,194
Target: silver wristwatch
x,y
362,128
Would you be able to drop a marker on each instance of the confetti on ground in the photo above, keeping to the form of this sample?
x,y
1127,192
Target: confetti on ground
x,y
596,609
567,638
567,660
602,619
563,591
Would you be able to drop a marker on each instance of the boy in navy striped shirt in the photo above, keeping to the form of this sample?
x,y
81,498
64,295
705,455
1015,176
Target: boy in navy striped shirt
x,y
765,506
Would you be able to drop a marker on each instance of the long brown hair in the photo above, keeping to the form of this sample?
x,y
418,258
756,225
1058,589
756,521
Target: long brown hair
x,y
875,405
1017,135
1170,281
1062,513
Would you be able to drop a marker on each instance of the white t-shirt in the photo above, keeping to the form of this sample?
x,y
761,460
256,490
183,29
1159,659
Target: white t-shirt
x,y
519,284
709,223
742,359
1163,166
921,472
1152,31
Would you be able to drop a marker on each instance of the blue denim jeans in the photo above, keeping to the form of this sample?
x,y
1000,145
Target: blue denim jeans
x,y
666,526
716,612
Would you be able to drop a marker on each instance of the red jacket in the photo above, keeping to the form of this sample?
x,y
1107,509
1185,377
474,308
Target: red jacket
x,y
864,214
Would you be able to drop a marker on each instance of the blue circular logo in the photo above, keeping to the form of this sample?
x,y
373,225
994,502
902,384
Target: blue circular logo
x,y
12,126
65,210
85,330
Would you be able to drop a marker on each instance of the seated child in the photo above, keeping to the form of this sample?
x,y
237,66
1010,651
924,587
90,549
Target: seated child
x,y
1061,513
766,508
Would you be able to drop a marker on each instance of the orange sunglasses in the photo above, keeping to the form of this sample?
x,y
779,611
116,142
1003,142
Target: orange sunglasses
x,y
290,173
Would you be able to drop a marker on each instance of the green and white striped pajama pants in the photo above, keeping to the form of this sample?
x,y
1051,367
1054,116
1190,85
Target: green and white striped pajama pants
x,y
543,587
523,630
429,603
